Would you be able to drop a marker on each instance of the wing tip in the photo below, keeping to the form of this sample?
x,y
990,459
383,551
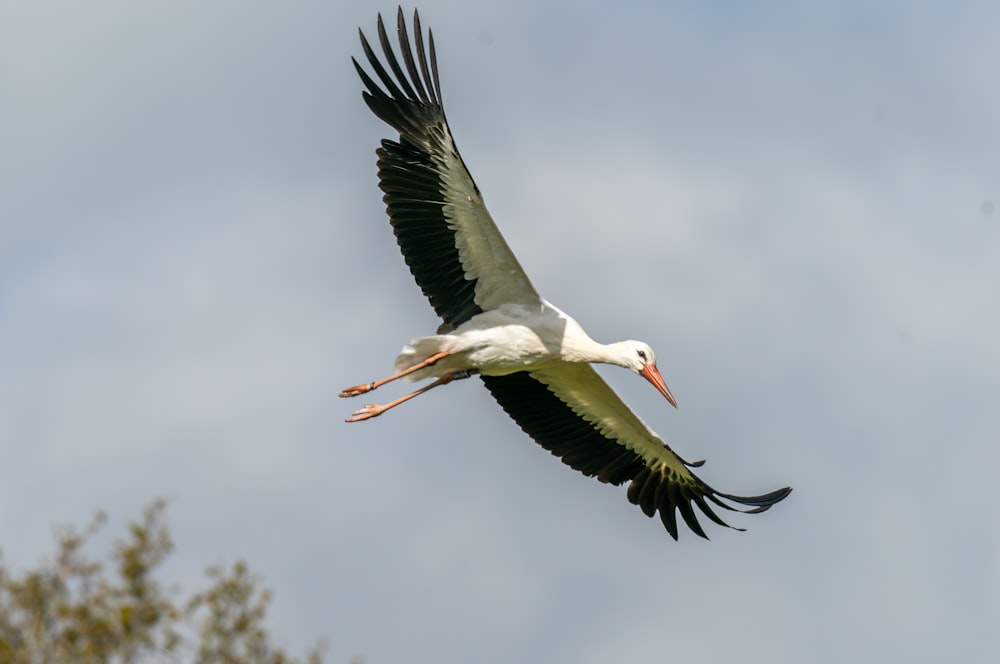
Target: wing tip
x,y
658,492
404,88
761,503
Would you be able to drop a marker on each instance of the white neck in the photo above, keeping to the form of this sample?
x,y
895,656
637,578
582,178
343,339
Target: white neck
x,y
585,349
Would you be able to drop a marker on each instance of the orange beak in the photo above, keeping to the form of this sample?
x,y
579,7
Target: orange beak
x,y
652,374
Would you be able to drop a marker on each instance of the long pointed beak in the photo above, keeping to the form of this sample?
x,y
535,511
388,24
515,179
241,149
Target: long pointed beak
x,y
652,374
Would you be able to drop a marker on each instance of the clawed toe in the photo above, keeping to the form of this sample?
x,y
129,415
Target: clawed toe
x,y
366,413
356,390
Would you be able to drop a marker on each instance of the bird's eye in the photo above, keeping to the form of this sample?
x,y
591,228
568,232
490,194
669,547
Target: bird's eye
x,y
642,355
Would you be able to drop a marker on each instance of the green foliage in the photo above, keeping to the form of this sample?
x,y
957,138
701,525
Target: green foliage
x,y
70,610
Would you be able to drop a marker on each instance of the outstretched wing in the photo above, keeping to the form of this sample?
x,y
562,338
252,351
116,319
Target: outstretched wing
x,y
569,410
453,248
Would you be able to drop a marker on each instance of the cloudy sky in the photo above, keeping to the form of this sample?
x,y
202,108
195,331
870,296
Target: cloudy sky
x,y
794,203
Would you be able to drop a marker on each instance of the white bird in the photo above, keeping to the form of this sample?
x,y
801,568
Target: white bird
x,y
533,358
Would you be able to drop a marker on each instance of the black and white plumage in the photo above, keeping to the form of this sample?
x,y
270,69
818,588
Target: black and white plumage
x,y
533,358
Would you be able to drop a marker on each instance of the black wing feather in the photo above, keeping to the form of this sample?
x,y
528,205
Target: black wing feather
x,y
409,101
554,426
408,179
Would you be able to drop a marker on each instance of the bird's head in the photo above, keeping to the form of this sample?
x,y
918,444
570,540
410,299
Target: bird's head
x,y
640,358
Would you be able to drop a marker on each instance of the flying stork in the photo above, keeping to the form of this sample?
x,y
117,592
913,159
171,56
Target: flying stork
x,y
533,358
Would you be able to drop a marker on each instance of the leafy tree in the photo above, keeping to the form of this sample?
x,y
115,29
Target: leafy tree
x,y
72,610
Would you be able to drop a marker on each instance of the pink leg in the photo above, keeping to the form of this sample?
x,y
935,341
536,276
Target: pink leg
x,y
368,387
374,410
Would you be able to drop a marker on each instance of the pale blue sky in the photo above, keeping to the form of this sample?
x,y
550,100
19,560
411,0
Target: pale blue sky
x,y
794,204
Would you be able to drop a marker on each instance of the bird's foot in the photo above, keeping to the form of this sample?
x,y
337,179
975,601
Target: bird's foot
x,y
366,413
357,389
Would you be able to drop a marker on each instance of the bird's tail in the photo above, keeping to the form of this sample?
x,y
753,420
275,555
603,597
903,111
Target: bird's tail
x,y
417,351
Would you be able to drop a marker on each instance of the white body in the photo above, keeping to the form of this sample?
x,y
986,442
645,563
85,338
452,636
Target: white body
x,y
510,338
